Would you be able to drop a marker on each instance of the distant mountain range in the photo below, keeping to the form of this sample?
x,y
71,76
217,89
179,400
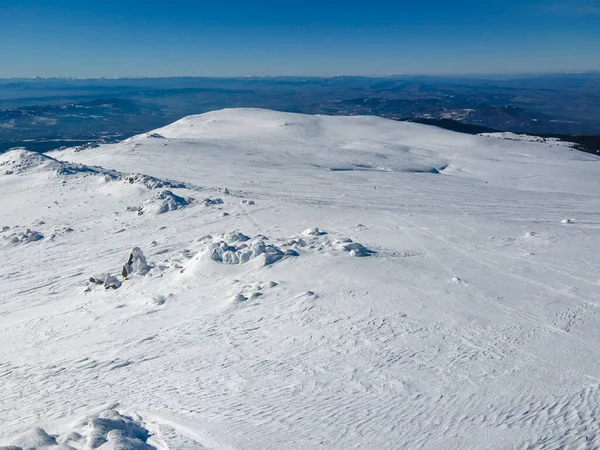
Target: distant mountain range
x,y
42,114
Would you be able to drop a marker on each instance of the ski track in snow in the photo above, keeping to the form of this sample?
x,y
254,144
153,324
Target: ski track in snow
x,y
471,321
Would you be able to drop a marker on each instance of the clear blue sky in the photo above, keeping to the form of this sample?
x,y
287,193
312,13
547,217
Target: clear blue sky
x,y
296,37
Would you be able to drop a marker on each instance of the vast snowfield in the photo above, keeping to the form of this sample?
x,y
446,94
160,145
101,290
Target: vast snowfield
x,y
301,282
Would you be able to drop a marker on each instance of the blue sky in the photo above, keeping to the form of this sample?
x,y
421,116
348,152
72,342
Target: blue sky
x,y
309,37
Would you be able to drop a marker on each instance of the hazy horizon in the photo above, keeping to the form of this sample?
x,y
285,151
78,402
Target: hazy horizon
x,y
300,75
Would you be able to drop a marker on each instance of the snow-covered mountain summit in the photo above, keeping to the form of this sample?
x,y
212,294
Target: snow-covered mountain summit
x,y
255,279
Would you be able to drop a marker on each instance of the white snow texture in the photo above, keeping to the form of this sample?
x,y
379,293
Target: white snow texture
x,y
195,288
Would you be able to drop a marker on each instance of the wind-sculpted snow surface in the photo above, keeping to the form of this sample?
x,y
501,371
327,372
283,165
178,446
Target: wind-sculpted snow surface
x,y
310,282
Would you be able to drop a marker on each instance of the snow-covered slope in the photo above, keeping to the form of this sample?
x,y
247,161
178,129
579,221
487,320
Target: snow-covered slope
x,y
300,282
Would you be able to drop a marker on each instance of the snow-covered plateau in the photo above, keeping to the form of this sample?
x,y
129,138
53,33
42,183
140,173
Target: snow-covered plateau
x,y
249,279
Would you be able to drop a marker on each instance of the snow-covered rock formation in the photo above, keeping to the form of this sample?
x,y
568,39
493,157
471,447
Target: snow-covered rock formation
x,y
161,202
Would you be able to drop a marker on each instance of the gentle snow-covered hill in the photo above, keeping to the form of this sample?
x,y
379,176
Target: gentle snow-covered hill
x,y
300,282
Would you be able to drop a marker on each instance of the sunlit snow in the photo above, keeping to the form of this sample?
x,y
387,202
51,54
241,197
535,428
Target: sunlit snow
x,y
251,279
